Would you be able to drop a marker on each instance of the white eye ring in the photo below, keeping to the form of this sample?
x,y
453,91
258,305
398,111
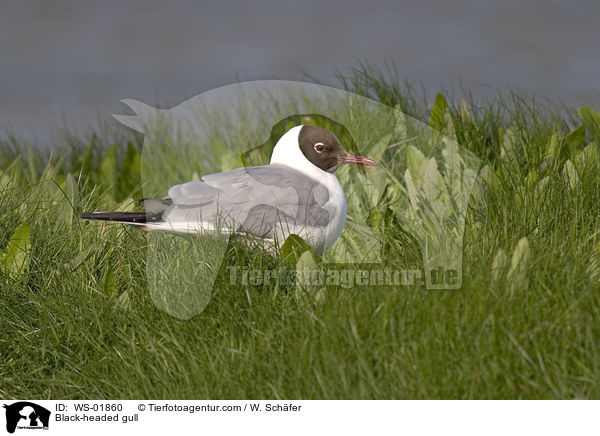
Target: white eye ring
x,y
319,147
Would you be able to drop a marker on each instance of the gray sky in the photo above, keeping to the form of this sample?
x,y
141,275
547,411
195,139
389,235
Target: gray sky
x,y
74,60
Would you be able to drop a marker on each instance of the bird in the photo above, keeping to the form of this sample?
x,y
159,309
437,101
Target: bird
x,y
296,193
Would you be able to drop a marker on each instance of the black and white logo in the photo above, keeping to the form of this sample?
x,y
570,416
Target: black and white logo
x,y
26,415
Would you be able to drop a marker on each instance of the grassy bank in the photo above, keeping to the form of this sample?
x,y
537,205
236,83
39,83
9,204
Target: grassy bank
x,y
77,320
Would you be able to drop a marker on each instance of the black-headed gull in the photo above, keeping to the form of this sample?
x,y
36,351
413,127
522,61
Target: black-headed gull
x,y
297,193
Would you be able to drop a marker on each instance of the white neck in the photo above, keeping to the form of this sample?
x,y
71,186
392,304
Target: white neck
x,y
287,152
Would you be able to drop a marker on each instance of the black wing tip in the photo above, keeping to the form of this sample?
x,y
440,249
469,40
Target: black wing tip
x,y
87,215
123,217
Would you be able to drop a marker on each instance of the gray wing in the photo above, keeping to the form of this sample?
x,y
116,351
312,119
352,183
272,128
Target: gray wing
x,y
252,199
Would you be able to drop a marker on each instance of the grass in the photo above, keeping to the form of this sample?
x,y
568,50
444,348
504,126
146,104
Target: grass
x,y
78,320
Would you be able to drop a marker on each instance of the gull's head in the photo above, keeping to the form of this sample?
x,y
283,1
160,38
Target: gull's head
x,y
312,149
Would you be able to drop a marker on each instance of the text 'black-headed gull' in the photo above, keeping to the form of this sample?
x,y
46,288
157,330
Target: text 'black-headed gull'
x,y
297,193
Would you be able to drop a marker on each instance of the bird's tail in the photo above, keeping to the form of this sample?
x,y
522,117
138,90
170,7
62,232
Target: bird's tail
x,y
144,114
122,217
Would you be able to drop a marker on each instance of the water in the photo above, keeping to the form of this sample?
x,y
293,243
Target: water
x,y
70,62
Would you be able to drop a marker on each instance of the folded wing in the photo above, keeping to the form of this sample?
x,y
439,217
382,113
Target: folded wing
x,y
262,200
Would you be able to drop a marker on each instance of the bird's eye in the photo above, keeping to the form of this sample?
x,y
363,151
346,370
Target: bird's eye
x,y
319,147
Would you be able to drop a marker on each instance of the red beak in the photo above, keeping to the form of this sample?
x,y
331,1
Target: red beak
x,y
359,160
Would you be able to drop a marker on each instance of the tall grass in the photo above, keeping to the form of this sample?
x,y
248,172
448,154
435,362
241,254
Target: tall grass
x,y
78,320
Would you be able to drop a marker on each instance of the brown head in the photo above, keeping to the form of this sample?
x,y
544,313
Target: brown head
x,y
324,150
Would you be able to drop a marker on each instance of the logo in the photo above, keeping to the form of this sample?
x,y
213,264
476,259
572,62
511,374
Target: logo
x,y
26,415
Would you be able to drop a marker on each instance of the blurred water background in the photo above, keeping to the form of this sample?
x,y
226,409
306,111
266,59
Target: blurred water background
x,y
68,63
